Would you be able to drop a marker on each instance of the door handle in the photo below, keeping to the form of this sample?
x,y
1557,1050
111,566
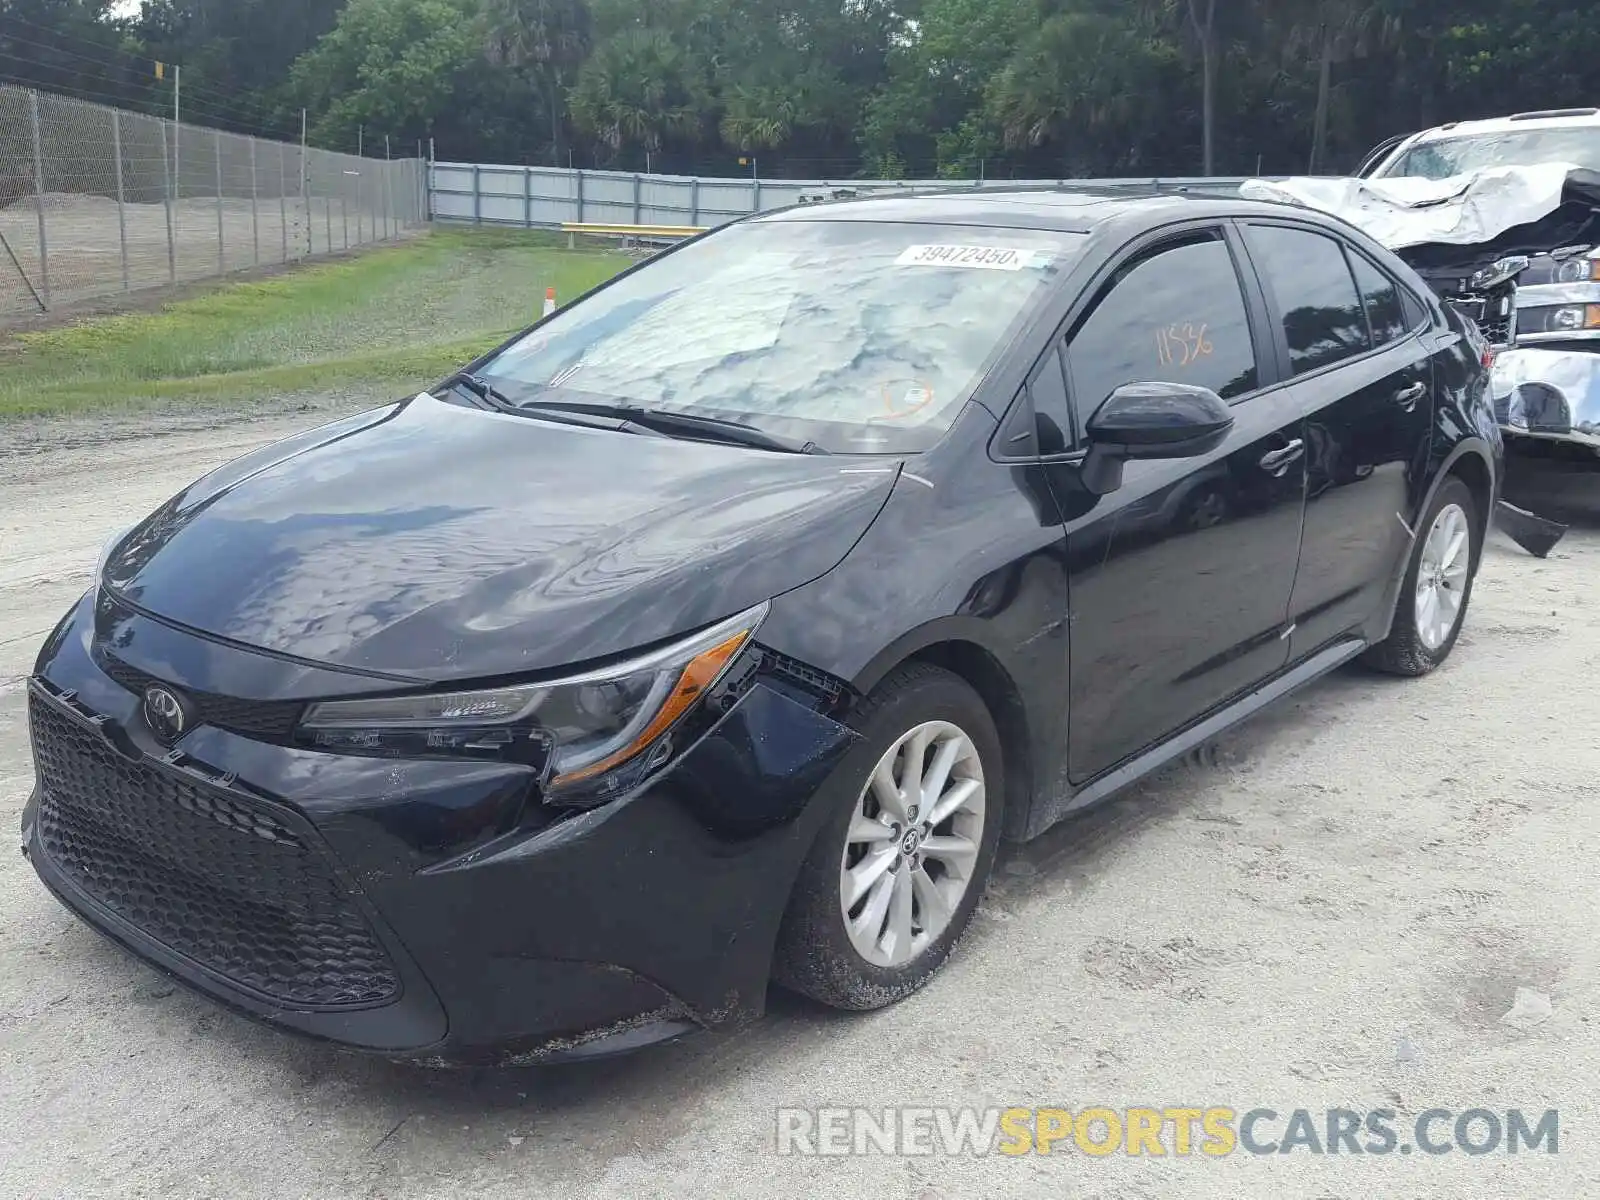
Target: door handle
x,y
1408,397
1279,460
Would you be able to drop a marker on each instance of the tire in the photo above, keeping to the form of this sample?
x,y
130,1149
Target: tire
x,y
816,953
1409,649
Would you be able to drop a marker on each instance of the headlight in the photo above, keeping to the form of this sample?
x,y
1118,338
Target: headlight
x,y
1578,270
1501,271
1573,318
585,725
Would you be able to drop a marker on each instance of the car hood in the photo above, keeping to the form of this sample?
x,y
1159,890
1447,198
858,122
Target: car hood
x,y
434,542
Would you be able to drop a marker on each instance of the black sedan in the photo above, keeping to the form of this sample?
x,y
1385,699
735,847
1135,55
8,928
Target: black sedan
x,y
716,629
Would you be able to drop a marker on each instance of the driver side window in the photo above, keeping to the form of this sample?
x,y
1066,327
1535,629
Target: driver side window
x,y
1175,315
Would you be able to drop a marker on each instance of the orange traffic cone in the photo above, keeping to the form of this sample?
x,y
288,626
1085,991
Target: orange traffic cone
x,y
549,301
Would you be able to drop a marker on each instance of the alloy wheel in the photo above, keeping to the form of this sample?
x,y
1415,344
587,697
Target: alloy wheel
x,y
1442,576
913,843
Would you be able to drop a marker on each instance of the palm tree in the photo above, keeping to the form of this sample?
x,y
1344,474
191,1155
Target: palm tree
x,y
1203,19
637,88
1337,30
1081,73
547,38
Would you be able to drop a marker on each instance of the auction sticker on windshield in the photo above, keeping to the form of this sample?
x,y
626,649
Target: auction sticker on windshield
x,y
979,258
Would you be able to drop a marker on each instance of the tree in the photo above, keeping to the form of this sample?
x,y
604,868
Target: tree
x,y
798,81
937,69
239,45
70,46
1203,17
1335,30
639,88
1026,88
1080,82
548,39
398,66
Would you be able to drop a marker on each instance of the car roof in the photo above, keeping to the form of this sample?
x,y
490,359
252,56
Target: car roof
x,y
1574,118
1066,209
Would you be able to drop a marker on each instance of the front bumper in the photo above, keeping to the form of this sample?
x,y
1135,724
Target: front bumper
x,y
432,910
1549,394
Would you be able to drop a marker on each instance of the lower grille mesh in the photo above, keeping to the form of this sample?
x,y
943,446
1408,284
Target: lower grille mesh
x,y
217,878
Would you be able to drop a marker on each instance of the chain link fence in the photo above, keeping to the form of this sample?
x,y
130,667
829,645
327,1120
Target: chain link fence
x,y
96,201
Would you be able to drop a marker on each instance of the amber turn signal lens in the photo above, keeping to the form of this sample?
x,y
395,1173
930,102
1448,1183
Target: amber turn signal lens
x,y
698,674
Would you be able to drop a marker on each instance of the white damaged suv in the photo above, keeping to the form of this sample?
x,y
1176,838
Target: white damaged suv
x,y
1546,378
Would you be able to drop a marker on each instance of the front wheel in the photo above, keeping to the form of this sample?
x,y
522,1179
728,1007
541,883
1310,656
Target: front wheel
x,y
898,869
1438,586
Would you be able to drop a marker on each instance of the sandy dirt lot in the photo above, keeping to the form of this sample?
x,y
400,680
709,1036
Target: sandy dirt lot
x,y
1332,908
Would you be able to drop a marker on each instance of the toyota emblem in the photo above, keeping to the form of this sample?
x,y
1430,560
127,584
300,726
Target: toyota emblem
x,y
165,713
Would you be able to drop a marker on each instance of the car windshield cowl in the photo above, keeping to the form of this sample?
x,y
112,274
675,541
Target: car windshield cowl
x,y
674,423
844,337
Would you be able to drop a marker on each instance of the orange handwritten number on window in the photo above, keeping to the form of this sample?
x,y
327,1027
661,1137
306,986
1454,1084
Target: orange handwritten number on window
x,y
1182,345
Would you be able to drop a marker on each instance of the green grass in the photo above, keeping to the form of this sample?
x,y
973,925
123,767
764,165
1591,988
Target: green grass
x,y
396,318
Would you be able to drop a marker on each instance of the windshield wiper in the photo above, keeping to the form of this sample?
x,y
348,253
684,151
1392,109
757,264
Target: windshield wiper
x,y
483,390
735,433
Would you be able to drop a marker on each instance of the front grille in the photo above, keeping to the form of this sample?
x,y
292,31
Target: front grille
x,y
253,718
214,876
1495,326
1497,332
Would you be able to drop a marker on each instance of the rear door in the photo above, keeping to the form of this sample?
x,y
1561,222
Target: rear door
x,y
1180,580
1364,381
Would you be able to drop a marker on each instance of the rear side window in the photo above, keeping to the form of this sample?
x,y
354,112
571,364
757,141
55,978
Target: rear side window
x,y
1175,315
1324,319
1381,294
1416,314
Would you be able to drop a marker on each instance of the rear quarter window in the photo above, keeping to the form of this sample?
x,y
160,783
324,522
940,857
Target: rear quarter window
x,y
1386,312
1416,311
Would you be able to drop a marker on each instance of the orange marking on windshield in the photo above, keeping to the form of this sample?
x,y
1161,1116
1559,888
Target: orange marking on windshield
x,y
912,401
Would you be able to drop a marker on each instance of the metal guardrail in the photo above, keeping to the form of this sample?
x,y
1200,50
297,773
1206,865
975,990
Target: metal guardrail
x,y
629,233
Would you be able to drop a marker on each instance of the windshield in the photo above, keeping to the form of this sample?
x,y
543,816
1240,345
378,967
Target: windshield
x,y
1524,148
860,337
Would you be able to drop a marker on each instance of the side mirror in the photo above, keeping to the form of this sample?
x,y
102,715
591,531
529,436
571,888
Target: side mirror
x,y
1148,421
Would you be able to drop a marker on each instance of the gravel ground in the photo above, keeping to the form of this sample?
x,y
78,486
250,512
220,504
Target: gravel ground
x,y
1333,907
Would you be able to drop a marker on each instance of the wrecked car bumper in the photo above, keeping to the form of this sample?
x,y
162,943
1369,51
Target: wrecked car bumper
x,y
427,910
1548,394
